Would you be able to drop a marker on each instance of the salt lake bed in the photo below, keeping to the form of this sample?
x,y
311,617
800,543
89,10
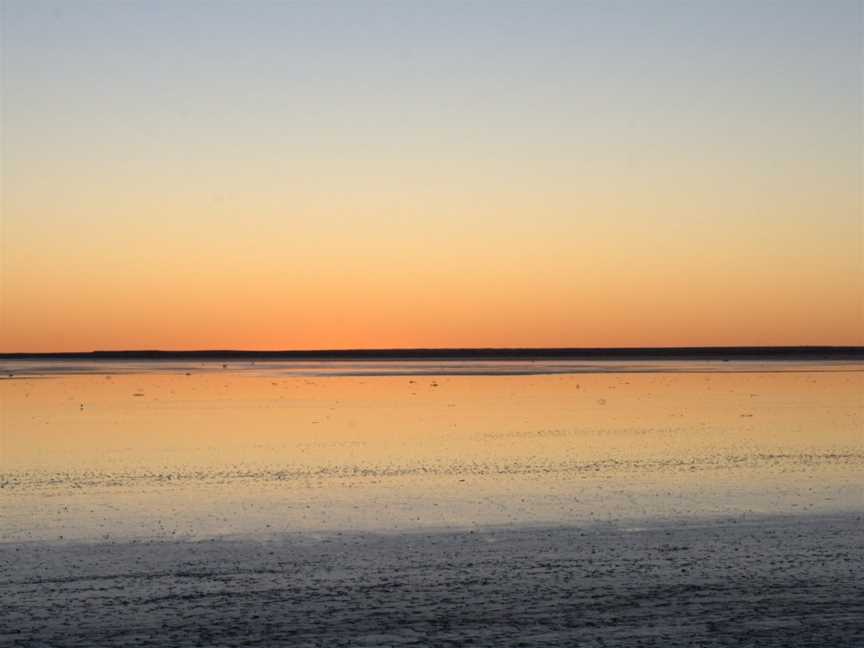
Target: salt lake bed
x,y
281,496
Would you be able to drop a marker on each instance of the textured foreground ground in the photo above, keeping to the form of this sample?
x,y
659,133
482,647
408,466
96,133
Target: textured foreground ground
x,y
776,582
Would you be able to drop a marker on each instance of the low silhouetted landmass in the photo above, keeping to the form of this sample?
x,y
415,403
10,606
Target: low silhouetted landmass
x,y
631,353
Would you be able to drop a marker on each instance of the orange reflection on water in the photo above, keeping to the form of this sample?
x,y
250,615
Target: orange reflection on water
x,y
365,451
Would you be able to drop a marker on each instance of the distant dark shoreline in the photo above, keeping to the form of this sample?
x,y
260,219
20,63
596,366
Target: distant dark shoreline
x,y
813,353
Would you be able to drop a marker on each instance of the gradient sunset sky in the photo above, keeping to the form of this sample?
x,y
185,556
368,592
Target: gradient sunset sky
x,y
277,175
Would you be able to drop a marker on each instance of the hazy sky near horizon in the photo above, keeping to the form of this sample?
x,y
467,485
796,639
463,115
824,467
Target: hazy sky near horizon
x,y
386,174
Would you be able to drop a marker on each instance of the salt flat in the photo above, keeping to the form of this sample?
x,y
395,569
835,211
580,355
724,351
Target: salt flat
x,y
222,506
790,581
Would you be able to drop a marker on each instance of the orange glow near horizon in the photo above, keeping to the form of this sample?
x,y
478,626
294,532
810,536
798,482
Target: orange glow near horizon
x,y
288,184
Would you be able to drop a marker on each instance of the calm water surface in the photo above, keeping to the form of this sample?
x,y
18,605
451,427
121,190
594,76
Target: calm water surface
x,y
154,450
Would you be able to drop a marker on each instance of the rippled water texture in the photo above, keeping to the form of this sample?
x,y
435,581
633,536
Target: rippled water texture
x,y
167,450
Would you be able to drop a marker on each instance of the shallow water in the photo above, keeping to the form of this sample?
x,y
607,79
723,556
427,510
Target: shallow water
x,y
165,450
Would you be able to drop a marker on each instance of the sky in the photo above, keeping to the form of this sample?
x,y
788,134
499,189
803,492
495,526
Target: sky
x,y
302,175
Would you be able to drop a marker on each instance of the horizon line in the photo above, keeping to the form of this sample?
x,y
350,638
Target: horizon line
x,y
795,351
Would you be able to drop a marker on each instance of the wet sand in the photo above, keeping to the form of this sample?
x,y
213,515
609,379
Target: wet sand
x,y
791,581
622,506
